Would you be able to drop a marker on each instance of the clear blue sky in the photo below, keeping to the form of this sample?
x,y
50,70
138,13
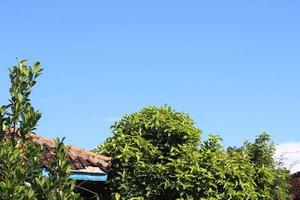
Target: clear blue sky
x,y
233,65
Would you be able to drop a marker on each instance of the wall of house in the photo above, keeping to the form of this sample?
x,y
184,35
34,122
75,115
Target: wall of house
x,y
90,189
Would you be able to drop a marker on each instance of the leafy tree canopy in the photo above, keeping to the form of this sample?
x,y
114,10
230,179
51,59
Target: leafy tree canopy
x,y
158,155
144,145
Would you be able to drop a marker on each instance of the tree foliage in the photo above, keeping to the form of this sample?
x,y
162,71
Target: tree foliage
x,y
158,154
20,173
271,179
144,146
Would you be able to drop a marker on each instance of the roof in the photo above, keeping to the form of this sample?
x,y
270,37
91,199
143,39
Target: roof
x,y
81,160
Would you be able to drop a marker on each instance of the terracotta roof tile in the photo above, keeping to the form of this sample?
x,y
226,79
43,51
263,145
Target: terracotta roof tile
x,y
81,159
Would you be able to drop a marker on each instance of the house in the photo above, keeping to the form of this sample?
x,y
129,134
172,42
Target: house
x,y
295,183
89,169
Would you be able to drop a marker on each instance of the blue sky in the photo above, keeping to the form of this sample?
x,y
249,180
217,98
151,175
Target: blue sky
x,y
233,65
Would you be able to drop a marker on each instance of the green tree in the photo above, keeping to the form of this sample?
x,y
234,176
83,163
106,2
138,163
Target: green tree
x,y
144,146
20,173
271,179
212,173
158,155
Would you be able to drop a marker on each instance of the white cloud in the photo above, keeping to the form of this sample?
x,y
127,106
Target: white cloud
x,y
289,154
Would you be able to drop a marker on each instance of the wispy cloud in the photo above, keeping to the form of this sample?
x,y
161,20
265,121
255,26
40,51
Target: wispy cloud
x,y
289,154
108,119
